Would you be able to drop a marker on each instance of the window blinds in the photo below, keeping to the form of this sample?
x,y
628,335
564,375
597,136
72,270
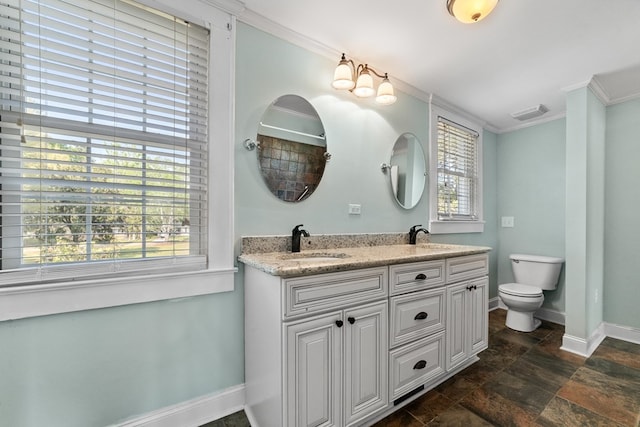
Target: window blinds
x,y
457,171
103,114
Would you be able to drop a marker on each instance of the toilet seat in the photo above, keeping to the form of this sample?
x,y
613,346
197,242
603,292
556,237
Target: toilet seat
x,y
520,290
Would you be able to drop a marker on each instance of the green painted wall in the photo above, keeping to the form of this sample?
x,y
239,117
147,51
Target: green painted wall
x,y
531,188
584,212
489,237
622,227
596,119
96,367
360,136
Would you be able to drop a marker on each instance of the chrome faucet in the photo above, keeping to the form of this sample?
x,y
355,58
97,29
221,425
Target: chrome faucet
x,y
295,237
413,233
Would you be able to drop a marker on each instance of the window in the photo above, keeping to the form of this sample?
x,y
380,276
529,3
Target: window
x,y
105,142
456,152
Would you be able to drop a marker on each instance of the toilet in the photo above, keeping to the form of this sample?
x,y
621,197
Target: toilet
x,y
533,275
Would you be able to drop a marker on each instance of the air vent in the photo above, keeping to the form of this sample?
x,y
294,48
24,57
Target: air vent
x,y
530,113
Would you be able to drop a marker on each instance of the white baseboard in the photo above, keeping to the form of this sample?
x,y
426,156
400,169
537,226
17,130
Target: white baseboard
x,y
250,417
581,346
550,315
193,413
625,333
543,313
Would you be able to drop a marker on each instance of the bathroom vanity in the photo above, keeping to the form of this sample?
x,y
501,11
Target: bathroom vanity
x,y
344,336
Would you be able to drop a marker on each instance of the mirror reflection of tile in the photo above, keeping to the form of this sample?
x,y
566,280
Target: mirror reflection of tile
x,y
292,170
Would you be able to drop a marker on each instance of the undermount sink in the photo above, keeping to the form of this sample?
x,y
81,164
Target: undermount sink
x,y
314,257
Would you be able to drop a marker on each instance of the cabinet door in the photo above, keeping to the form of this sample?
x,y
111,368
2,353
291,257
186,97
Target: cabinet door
x,y
479,315
314,372
365,361
457,341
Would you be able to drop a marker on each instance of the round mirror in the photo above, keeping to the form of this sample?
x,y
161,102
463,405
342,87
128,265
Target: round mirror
x,y
407,170
292,148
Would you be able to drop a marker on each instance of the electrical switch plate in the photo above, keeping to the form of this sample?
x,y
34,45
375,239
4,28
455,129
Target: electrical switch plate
x,y
507,221
354,209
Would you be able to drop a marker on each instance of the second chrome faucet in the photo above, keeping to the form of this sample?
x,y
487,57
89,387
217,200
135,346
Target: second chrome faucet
x,y
296,233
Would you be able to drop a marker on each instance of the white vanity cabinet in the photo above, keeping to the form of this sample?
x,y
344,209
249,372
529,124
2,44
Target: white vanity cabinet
x,y
316,353
467,309
346,348
336,367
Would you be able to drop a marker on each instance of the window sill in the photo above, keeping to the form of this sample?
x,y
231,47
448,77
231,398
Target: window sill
x,y
452,227
40,300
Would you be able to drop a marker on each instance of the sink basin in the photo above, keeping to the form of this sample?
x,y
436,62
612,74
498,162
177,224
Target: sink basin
x,y
314,257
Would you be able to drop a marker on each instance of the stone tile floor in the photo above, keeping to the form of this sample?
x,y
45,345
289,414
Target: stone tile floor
x,y
524,379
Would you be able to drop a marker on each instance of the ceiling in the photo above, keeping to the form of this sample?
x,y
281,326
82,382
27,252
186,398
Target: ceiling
x,y
525,53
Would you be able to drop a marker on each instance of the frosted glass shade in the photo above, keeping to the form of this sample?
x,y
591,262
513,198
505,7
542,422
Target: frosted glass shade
x,y
342,78
470,11
364,85
386,96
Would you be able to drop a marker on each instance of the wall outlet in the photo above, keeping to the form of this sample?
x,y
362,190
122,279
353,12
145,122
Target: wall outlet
x,y
354,209
508,221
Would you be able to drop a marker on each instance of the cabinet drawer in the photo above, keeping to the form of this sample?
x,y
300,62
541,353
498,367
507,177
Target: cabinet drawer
x,y
416,315
416,276
314,294
467,267
415,364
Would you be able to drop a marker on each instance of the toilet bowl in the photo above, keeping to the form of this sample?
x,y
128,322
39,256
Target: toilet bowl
x,y
533,274
522,301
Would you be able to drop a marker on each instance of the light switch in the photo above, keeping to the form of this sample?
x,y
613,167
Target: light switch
x,y
508,222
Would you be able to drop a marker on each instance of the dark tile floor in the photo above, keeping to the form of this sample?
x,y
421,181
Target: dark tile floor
x,y
524,379
234,420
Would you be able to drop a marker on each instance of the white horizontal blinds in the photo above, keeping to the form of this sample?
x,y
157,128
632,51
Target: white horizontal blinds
x,y
457,171
104,139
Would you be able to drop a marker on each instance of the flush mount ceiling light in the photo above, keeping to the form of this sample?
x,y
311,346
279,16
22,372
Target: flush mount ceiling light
x,y
470,11
358,80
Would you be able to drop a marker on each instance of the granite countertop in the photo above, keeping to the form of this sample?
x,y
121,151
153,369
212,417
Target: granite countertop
x,y
307,262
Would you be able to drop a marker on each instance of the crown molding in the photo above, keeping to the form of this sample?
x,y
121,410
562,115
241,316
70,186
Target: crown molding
x,y
234,7
595,86
533,123
263,23
443,103
599,91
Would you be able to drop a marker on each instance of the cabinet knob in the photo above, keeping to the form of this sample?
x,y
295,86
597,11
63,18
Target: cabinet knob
x,y
420,365
421,276
339,323
421,316
351,320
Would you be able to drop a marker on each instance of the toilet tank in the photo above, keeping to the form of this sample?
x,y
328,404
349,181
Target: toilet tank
x,y
536,270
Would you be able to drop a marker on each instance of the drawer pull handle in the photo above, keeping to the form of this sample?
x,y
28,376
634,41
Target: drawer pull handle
x,y
420,365
351,320
339,323
421,316
421,276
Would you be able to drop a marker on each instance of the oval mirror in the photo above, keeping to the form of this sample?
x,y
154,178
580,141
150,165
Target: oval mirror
x,y
407,170
292,148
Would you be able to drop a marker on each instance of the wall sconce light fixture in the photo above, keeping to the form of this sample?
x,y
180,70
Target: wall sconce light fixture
x,y
470,11
358,80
